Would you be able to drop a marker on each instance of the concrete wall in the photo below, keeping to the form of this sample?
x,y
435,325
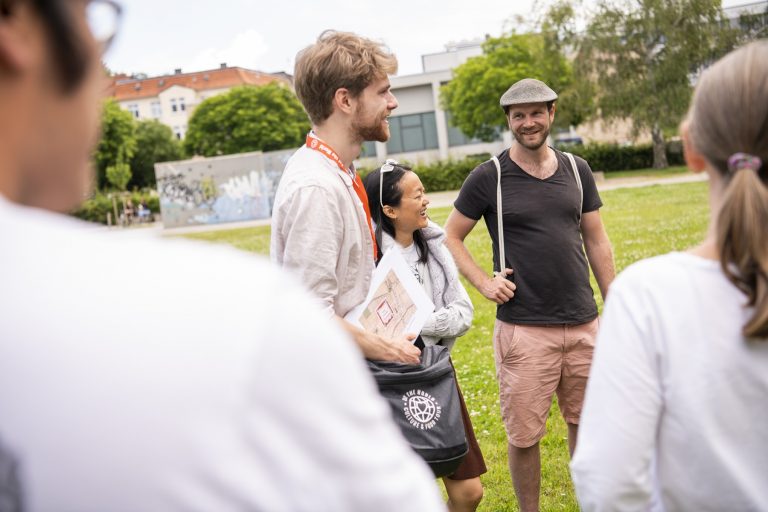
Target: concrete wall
x,y
222,189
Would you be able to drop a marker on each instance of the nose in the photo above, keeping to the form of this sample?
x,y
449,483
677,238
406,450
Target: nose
x,y
392,103
426,200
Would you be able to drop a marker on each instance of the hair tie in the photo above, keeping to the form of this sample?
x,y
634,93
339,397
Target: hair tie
x,y
739,161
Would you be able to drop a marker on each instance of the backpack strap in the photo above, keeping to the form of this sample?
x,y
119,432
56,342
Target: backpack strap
x,y
502,256
578,181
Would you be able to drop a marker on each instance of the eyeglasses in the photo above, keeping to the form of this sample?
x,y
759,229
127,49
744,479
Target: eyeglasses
x,y
103,19
388,166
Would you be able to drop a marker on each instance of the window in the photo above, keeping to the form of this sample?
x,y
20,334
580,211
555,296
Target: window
x,y
182,106
457,138
414,132
133,108
180,131
368,149
157,109
174,107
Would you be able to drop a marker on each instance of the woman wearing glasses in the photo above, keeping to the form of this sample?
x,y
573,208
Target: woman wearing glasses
x,y
401,221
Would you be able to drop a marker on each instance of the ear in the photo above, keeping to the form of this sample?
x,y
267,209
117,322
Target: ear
x,y
15,25
693,159
552,112
389,212
343,101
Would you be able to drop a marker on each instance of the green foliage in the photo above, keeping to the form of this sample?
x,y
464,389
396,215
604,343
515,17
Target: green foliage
x,y
444,174
641,55
641,222
119,174
611,157
247,118
155,142
472,96
118,139
95,208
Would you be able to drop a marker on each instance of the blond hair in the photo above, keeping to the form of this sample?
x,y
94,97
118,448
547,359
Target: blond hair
x,y
729,115
338,60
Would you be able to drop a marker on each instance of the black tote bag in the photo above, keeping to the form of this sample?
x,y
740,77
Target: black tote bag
x,y
425,404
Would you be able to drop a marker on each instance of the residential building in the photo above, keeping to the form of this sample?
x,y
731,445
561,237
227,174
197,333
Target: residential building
x,y
171,98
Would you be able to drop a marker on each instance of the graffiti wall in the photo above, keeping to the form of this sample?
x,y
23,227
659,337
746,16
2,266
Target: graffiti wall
x,y
214,190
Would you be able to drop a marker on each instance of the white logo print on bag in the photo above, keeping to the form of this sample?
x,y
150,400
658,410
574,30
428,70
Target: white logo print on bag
x,y
421,409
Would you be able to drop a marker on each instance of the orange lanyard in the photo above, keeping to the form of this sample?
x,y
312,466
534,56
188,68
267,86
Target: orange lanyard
x,y
328,152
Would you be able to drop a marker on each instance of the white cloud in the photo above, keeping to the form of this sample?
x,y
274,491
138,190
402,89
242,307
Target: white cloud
x,y
245,49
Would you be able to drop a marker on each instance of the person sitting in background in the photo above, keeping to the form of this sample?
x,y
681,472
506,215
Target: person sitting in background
x,y
400,216
675,416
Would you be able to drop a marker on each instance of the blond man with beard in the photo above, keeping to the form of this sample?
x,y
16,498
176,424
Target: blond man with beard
x,y
321,222
546,320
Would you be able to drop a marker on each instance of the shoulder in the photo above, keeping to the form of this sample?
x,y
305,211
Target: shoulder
x,y
656,276
485,170
581,164
309,168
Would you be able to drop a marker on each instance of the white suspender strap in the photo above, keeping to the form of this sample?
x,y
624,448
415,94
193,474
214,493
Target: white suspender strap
x,y
578,182
502,256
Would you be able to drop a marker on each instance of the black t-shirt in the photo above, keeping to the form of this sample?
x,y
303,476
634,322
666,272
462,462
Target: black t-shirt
x,y
542,237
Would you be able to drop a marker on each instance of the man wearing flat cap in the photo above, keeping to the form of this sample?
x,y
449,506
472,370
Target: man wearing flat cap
x,y
546,319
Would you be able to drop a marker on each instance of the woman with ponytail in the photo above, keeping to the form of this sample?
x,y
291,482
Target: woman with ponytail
x,y
675,416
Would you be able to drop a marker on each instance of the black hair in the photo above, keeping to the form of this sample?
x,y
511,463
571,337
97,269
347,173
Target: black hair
x,y
66,46
392,195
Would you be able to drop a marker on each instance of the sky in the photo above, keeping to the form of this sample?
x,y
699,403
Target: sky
x,y
158,36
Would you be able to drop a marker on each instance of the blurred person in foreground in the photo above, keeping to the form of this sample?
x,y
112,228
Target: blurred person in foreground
x,y
210,393
675,416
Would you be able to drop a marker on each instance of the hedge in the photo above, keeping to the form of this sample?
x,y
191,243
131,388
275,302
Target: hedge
x,y
611,157
450,174
95,208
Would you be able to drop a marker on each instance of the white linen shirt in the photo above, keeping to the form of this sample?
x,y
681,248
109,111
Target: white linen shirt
x,y
674,416
320,231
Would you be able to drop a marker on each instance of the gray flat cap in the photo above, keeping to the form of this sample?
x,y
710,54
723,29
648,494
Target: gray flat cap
x,y
527,90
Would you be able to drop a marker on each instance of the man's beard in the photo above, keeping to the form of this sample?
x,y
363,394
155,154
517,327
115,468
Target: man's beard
x,y
377,130
535,145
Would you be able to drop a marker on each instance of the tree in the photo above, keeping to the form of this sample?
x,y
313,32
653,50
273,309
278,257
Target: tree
x,y
155,142
118,139
247,118
472,95
118,174
643,56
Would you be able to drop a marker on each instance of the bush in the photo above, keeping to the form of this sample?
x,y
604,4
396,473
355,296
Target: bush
x,y
95,208
611,157
442,175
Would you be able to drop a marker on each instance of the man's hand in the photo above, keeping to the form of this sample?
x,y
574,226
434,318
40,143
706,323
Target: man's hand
x,y
499,289
399,350
376,348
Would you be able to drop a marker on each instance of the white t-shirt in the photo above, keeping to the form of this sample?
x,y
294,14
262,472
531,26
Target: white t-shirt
x,y
146,375
418,268
675,409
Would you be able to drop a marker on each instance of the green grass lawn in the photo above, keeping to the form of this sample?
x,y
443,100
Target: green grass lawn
x,y
647,173
641,222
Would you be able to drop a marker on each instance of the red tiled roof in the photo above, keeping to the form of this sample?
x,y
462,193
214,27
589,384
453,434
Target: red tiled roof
x,y
126,88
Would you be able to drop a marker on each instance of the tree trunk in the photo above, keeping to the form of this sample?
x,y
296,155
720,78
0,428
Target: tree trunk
x,y
659,148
